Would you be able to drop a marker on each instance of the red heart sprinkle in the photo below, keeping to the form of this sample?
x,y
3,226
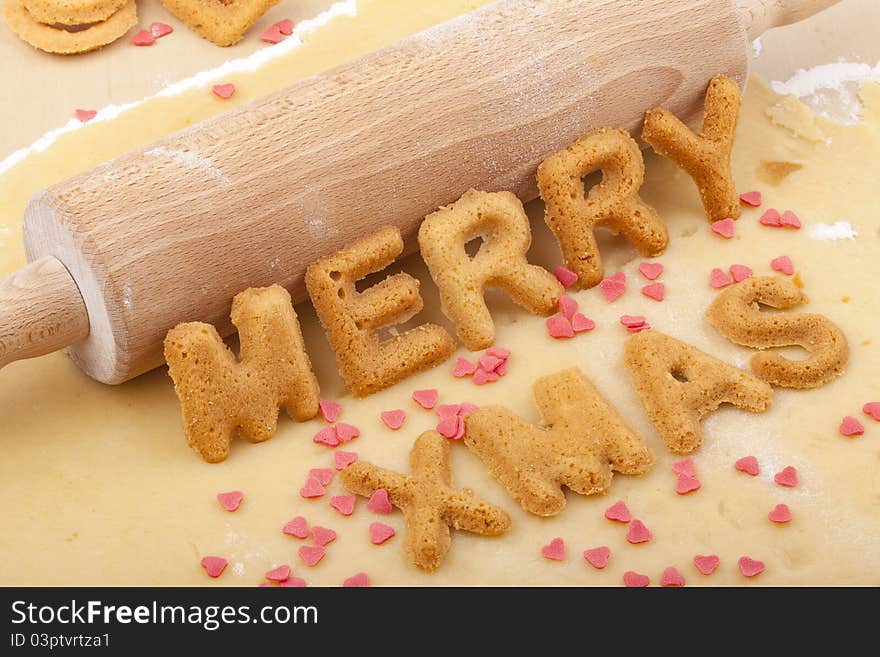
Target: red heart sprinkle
x,y
297,527
427,398
224,91
788,477
311,554
273,34
638,533
567,306
751,198
379,502
231,500
343,503
346,432
85,115
285,26
780,513
214,566
451,427
634,580
747,464
312,489
358,580
324,475
685,467
159,30
750,567
598,557
771,218
279,574
581,323
380,532
481,377
143,38
671,577
872,409
618,512
293,582
322,536
326,436
650,270
632,321
393,419
559,327
565,276
343,459
782,264
789,219
463,367
655,291
686,485
330,410
740,272
719,278
499,352
706,563
851,427
724,227
613,286
555,550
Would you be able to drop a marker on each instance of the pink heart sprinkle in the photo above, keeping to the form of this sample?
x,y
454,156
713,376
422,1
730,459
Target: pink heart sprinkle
x,y
499,352
379,502
706,563
481,377
445,411
789,219
618,512
356,581
686,485
559,327
297,527
311,554
851,427
634,580
650,270
565,276
272,34
279,574
346,432
322,536
143,38
637,329
312,489
393,419
724,227
598,557
780,513
466,408
555,550
782,264
343,459
567,306
463,367
751,198
214,566
788,477
343,503
224,91
771,217
427,399
740,272
451,427
159,30
293,582
85,115
872,409
685,467
330,410
747,464
671,577
632,321
719,279
324,475
490,363
380,532
326,436
638,533
613,286
285,26
750,567
231,500
581,323
655,291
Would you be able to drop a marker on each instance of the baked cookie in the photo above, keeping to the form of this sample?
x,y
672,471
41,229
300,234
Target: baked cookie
x,y
72,12
223,22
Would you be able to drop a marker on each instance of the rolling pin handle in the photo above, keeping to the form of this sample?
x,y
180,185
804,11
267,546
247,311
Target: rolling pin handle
x,y
758,16
41,311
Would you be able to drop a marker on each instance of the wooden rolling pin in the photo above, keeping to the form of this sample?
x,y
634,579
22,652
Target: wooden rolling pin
x,y
171,232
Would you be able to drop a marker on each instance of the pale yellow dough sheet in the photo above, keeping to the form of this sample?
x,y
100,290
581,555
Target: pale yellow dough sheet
x,y
99,486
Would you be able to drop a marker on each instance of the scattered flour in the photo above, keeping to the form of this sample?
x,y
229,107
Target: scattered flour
x,y
757,47
831,90
839,230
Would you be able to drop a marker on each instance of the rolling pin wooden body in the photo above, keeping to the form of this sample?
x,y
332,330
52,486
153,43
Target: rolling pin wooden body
x,y
170,233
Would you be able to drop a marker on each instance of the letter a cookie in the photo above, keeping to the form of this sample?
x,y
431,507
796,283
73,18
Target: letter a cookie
x,y
428,500
500,220
219,395
584,440
679,385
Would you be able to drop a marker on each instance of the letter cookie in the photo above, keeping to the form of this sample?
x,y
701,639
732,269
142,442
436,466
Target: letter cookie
x,y
584,440
219,395
428,501
499,219
366,363
223,22
706,156
679,385
614,201
735,315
